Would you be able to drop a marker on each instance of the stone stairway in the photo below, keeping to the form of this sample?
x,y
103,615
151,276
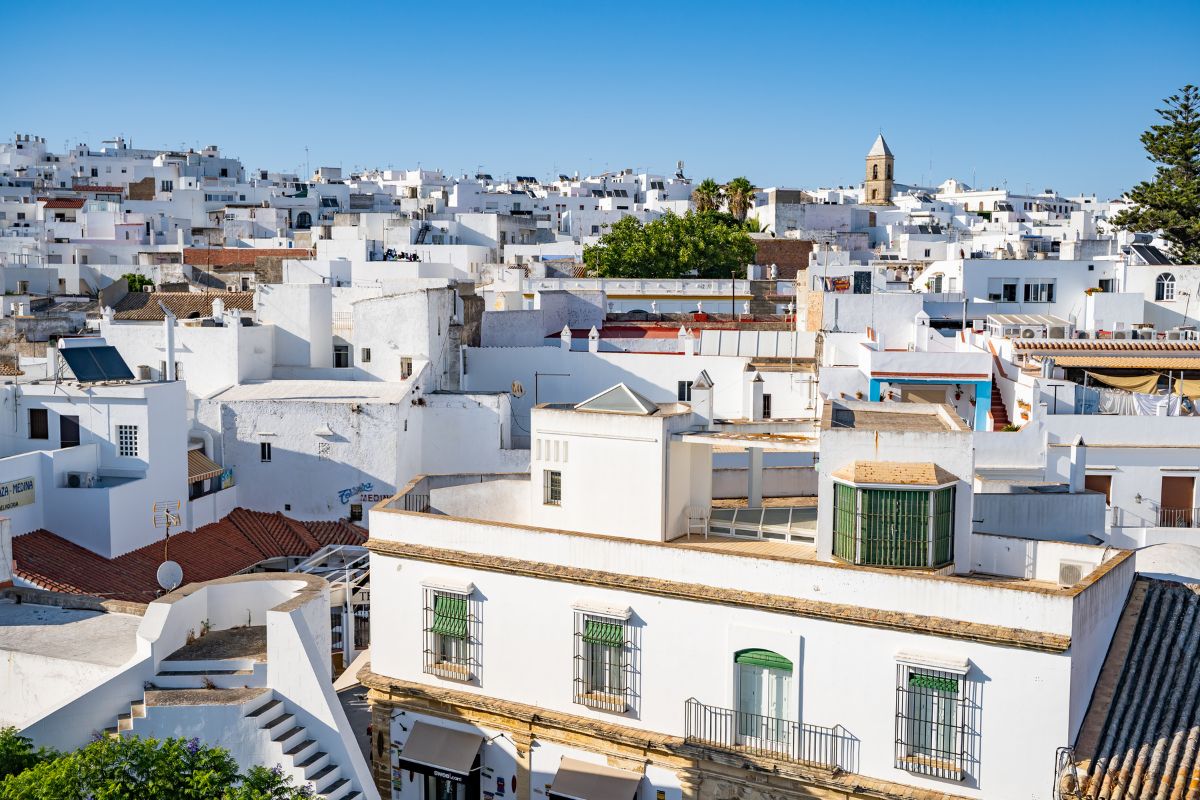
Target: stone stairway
x,y
239,682
1000,418
300,753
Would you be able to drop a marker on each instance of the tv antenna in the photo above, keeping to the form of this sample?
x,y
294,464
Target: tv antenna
x,y
165,514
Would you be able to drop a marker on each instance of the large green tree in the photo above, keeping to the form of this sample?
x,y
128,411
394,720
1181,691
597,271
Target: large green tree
x,y
710,245
707,196
133,768
1170,203
739,195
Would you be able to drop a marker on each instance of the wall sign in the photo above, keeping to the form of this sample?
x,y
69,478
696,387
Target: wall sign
x,y
16,493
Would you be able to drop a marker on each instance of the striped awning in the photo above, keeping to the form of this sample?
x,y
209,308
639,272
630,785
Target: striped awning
x,y
1127,362
201,467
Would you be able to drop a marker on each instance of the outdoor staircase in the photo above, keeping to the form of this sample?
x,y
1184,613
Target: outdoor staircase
x,y
1000,418
422,233
282,739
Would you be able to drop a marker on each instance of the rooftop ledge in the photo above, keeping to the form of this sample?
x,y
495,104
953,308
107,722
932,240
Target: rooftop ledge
x,y
1012,611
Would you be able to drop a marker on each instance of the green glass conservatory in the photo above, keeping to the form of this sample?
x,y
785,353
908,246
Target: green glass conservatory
x,y
894,526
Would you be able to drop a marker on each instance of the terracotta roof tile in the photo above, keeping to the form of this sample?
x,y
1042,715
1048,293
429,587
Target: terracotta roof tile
x,y
79,187
184,305
899,473
240,256
1093,345
223,548
64,202
1138,739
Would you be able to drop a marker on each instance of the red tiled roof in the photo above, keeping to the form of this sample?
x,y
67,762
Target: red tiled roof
x,y
64,202
145,306
223,548
239,256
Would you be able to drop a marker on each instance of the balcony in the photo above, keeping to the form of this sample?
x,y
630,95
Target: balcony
x,y
746,734
1178,517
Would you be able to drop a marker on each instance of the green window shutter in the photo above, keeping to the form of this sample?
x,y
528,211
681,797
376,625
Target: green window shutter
x,y
918,680
597,631
763,658
450,616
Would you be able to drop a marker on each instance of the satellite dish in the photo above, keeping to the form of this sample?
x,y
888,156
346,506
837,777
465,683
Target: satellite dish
x,y
170,575
517,389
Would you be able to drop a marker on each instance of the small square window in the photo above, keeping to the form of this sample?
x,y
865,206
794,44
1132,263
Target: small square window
x,y
356,512
406,368
127,441
552,487
366,355
684,391
264,451
39,423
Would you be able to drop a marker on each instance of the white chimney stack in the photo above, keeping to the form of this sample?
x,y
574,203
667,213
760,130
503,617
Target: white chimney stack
x,y
593,340
702,398
565,339
169,343
752,405
218,308
1078,465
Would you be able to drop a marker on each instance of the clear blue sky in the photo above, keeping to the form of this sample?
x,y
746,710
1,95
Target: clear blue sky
x,y
790,93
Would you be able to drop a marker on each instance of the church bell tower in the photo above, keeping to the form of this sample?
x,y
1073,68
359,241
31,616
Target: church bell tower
x,y
877,190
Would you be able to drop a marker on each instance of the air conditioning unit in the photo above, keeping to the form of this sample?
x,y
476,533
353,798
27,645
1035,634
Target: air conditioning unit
x,y
1029,333
1072,572
1120,334
80,480
1174,335
1057,332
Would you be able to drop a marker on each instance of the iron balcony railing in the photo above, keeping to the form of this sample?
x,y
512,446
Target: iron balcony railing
x,y
769,737
1179,517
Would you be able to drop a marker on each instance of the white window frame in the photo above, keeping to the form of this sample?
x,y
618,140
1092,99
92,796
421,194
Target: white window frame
x,y
551,487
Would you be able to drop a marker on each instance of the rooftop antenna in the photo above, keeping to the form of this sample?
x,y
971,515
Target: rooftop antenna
x,y
165,514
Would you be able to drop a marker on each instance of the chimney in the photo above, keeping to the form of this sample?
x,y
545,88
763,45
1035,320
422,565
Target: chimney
x,y
752,402
218,308
593,340
702,398
1078,465
565,339
685,341
169,341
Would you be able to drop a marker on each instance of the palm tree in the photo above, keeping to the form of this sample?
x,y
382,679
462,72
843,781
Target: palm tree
x,y
707,195
739,193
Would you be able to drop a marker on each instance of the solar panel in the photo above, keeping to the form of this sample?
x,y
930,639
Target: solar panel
x,y
91,364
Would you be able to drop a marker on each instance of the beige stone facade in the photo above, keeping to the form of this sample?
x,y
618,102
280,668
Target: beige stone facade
x,y
704,773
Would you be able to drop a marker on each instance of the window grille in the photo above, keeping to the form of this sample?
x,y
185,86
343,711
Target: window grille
x,y
323,451
931,712
552,487
127,440
602,662
451,635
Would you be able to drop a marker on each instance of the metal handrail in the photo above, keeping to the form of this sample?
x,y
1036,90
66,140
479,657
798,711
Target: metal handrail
x,y
1178,517
768,737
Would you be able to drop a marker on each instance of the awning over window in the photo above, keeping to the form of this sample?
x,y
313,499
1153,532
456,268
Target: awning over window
x,y
450,616
763,658
597,631
579,780
201,467
441,752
